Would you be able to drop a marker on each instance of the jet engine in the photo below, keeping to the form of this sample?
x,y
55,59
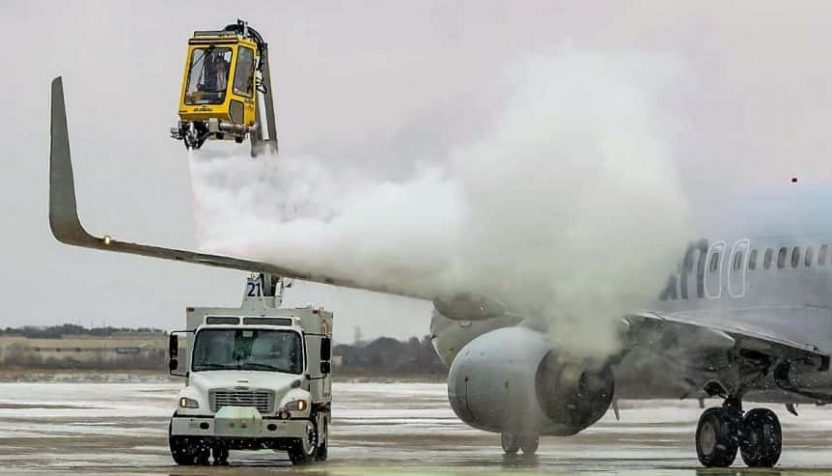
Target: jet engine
x,y
513,380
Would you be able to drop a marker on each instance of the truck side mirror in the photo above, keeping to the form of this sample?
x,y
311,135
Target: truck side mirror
x,y
326,349
173,357
326,368
173,347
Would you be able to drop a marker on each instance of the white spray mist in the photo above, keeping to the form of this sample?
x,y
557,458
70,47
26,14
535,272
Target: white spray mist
x,y
570,210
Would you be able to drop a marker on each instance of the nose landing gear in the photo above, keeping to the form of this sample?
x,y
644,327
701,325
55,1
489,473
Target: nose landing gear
x,y
722,431
512,443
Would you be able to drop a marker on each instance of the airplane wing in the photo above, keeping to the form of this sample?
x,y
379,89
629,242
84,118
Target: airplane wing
x,y
685,339
721,336
67,228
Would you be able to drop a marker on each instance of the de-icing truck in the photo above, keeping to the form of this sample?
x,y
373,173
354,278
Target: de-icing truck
x,y
258,377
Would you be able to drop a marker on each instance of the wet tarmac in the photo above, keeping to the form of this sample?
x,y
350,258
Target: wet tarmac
x,y
378,428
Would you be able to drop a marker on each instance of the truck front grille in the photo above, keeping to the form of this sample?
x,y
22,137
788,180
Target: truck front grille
x,y
262,400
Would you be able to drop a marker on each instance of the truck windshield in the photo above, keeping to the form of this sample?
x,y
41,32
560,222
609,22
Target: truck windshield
x,y
248,349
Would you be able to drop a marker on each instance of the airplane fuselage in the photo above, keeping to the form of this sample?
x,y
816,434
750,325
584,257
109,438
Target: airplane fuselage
x,y
778,286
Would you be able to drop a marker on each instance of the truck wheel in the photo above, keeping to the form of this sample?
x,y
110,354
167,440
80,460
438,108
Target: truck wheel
x,y
220,455
303,449
323,448
202,456
181,453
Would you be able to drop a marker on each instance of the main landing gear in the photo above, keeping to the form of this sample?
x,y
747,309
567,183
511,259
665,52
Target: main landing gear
x,y
722,431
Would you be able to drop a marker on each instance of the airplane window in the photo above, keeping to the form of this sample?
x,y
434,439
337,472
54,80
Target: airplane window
x,y
714,266
767,258
824,250
809,255
781,257
795,256
752,260
738,261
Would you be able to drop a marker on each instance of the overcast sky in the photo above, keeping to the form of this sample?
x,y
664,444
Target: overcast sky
x,y
376,84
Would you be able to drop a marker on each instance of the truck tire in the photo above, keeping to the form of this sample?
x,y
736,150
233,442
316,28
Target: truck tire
x,y
303,450
220,455
181,453
202,457
323,448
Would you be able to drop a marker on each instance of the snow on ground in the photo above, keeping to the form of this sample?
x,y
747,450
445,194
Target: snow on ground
x,y
105,428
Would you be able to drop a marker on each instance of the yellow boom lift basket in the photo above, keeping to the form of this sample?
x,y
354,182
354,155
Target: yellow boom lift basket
x,y
226,78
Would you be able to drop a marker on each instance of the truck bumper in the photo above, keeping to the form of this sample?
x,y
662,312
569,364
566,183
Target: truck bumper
x,y
209,427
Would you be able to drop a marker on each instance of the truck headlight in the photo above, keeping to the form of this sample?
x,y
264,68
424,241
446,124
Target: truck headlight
x,y
186,402
297,405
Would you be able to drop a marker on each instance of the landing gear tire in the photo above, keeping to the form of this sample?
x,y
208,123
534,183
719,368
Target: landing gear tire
x,y
762,438
529,444
303,449
511,443
717,437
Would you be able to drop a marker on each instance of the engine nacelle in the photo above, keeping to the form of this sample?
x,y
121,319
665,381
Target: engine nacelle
x,y
513,380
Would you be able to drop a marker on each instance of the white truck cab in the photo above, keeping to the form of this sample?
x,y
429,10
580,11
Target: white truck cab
x,y
258,377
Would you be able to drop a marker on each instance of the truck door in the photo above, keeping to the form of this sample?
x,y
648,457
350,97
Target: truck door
x,y
319,383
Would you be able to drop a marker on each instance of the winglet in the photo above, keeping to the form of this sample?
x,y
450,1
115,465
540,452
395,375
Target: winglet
x,y
63,211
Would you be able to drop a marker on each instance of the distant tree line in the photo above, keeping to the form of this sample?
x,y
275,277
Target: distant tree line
x,y
389,357
152,359
56,332
382,357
